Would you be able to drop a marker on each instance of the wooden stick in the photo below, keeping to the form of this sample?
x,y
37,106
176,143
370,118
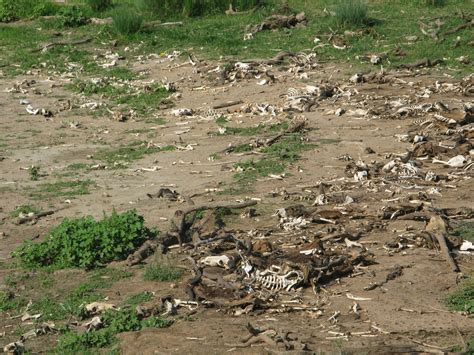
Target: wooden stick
x,y
62,43
227,104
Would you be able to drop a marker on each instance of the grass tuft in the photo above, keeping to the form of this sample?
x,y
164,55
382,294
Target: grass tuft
x,y
352,13
127,21
161,272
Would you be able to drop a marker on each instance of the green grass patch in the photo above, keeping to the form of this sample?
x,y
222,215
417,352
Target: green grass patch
x,y
254,130
24,209
77,166
115,322
10,302
276,159
66,189
463,298
137,299
160,271
465,230
119,158
87,243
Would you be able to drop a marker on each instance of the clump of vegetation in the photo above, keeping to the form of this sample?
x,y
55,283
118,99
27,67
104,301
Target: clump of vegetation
x,y
12,10
99,5
463,298
161,272
86,243
34,172
352,13
127,22
72,16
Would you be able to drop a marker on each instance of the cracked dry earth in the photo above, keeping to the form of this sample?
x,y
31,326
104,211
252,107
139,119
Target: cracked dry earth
x,y
364,194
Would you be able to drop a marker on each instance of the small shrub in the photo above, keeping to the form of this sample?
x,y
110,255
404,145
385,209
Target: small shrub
x,y
99,5
161,272
86,243
352,13
127,21
34,172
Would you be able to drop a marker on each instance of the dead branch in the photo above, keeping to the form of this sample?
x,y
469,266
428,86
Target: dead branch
x,y
277,22
26,219
294,128
298,126
460,27
277,59
437,227
227,104
182,229
62,43
422,63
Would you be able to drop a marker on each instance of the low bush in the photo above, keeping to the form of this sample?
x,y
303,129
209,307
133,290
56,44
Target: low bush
x,y
127,21
86,243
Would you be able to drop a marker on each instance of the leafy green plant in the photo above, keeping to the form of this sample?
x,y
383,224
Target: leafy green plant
x,y
157,271
86,243
463,298
34,172
11,10
352,13
127,22
99,5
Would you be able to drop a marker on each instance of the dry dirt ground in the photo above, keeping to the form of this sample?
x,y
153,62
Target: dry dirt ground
x,y
403,315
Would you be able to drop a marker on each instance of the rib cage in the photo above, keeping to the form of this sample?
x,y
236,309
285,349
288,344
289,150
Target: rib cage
x,y
274,282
